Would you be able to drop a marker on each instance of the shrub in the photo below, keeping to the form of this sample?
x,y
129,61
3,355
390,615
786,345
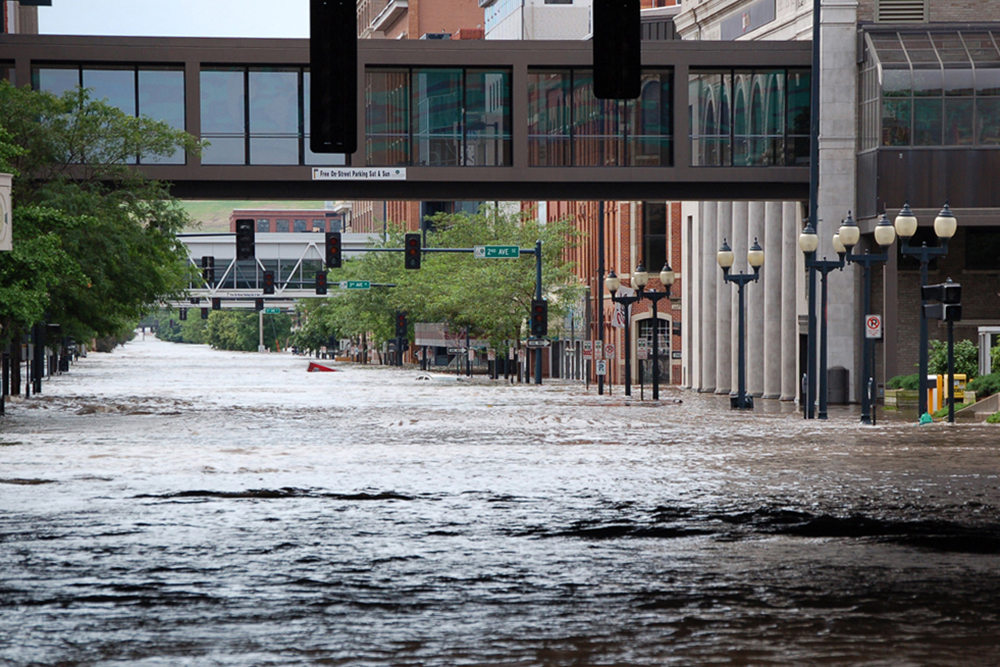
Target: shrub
x,y
985,385
966,358
995,359
910,382
993,418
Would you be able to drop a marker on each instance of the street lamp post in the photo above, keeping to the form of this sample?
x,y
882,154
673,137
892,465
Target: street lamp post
x,y
640,279
808,242
945,225
843,242
755,259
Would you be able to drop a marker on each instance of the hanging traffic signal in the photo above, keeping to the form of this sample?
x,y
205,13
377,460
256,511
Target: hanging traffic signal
x,y
334,254
216,303
245,238
258,304
333,67
539,317
183,313
321,282
411,251
208,270
269,282
617,45
204,313
401,325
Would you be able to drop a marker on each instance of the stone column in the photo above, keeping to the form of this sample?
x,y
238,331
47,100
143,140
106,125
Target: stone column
x,y
738,243
790,259
755,305
710,275
773,290
724,308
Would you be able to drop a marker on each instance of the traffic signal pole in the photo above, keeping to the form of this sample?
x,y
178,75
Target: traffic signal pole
x,y
538,295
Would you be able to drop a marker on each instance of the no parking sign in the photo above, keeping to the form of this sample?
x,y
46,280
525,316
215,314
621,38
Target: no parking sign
x,y
873,326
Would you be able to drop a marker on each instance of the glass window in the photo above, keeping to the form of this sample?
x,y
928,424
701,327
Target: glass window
x,y
319,225
988,81
387,113
115,86
654,246
988,121
549,118
896,122
928,82
299,226
161,97
263,225
958,123
927,116
328,159
436,120
959,82
56,81
597,125
710,118
281,225
798,94
274,117
223,122
7,72
896,83
487,118
650,123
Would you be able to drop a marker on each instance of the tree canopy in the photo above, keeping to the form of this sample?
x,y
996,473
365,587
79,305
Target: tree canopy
x,y
95,245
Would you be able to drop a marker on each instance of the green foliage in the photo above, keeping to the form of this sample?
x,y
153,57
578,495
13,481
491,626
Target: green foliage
x,y
910,382
239,330
966,358
985,385
491,297
993,418
995,359
95,242
171,328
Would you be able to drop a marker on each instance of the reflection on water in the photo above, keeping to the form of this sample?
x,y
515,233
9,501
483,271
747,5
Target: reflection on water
x,y
174,505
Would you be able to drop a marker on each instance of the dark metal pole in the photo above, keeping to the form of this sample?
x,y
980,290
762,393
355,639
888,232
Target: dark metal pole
x,y
599,319
922,368
628,363
865,351
810,397
822,351
656,351
538,295
951,371
741,386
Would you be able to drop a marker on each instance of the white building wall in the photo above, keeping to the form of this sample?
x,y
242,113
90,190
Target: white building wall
x,y
533,19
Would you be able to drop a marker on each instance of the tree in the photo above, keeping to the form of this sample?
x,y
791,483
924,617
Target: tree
x,y
98,238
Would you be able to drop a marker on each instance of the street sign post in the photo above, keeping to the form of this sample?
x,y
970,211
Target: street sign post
x,y
602,367
496,252
609,351
272,311
355,284
538,342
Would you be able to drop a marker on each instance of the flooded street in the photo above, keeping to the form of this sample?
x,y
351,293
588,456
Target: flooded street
x,y
176,505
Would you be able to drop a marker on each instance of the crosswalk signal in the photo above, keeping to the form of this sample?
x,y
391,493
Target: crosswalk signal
x,y
269,282
401,325
321,282
949,295
539,318
208,270
411,251
334,253
617,45
245,234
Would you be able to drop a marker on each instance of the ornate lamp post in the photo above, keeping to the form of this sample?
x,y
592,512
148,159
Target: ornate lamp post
x,y
755,259
640,279
843,242
808,242
945,225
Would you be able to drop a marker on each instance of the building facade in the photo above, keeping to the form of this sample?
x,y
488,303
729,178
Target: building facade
x,y
908,113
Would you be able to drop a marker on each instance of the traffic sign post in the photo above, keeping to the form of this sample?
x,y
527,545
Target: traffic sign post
x,y
602,367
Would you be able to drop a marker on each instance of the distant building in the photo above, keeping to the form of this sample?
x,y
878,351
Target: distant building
x,y
21,18
295,220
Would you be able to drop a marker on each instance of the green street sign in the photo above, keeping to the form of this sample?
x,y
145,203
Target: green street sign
x,y
355,284
496,251
272,311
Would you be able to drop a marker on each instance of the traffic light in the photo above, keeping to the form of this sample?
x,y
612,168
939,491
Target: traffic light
x,y
401,325
333,67
950,296
334,255
320,282
258,304
617,45
539,317
269,282
183,313
216,303
204,313
411,251
208,270
245,238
